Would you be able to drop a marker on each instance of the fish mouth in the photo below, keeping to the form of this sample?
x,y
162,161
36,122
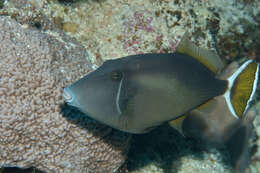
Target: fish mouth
x,y
67,95
70,98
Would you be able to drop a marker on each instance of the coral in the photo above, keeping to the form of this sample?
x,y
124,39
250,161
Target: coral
x,y
34,129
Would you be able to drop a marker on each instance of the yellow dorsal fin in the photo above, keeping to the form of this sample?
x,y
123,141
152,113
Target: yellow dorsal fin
x,y
242,86
177,123
206,57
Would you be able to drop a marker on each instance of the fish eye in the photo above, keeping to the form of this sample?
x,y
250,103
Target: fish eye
x,y
116,75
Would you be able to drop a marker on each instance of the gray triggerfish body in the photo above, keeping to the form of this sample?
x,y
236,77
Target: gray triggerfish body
x,y
137,93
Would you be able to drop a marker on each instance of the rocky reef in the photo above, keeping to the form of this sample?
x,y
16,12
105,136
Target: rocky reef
x,y
47,44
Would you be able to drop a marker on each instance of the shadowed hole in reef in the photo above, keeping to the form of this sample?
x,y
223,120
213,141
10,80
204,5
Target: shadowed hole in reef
x,y
69,2
2,3
37,25
19,170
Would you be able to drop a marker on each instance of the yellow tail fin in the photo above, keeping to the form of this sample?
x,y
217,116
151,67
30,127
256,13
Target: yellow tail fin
x,y
242,87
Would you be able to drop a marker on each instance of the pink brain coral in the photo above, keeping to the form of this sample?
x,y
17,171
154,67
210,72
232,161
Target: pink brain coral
x,y
34,68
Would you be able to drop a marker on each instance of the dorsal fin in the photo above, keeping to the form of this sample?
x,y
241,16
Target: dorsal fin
x,y
204,56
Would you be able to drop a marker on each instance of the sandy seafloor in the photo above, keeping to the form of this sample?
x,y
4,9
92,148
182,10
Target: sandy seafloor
x,y
111,29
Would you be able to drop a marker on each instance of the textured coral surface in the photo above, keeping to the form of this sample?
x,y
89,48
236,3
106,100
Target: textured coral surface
x,y
33,130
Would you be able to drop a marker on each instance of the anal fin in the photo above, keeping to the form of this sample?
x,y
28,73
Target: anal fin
x,y
177,123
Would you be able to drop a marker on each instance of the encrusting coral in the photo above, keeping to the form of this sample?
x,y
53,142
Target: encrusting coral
x,y
34,68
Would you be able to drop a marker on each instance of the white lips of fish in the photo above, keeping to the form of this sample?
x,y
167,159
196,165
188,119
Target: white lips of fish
x,y
70,98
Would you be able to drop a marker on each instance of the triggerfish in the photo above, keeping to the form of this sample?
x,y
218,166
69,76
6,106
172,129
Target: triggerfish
x,y
139,92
